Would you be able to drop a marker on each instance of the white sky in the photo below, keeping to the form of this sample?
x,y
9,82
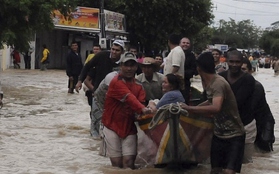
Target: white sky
x,y
262,12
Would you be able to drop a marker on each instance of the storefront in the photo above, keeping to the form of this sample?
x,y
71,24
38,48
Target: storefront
x,y
83,27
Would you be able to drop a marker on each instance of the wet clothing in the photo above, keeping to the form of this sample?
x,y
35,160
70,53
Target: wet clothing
x,y
264,119
103,65
227,153
243,90
118,147
99,101
227,146
173,96
153,88
74,66
123,100
227,123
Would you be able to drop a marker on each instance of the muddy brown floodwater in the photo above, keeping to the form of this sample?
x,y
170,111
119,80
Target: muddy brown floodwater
x,y
45,130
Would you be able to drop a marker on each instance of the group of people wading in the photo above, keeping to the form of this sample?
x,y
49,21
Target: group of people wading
x,y
234,99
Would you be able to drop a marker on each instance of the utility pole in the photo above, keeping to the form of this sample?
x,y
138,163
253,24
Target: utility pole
x,y
102,40
102,19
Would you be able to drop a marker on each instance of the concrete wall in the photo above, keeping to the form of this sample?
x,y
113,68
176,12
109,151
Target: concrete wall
x,y
58,43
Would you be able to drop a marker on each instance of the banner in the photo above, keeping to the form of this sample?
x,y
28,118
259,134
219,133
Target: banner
x,y
82,17
114,21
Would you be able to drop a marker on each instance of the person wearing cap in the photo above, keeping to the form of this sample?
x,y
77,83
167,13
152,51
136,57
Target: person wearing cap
x,y
227,145
124,99
151,79
104,63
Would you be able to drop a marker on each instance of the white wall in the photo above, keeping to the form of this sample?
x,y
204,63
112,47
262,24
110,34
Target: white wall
x,y
5,58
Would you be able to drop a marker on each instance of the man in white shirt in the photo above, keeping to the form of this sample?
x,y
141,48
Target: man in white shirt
x,y
176,58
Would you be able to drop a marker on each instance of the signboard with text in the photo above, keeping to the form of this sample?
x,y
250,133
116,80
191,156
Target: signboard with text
x,y
81,17
114,21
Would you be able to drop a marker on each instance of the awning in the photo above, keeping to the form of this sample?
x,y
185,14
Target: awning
x,y
80,29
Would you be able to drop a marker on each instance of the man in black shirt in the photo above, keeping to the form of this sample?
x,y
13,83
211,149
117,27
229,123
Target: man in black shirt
x,y
190,68
74,66
103,63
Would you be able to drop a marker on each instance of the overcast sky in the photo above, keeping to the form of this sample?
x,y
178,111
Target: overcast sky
x,y
262,12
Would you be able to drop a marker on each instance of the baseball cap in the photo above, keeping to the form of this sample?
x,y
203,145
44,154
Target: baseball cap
x,y
120,43
128,56
148,61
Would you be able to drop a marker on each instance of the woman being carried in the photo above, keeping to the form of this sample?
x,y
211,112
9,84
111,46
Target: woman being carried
x,y
172,84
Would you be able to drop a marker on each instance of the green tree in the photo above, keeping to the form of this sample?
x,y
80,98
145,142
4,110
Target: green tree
x,y
19,20
149,22
270,42
242,34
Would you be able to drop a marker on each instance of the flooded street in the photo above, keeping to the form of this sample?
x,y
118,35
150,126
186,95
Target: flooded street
x,y
45,130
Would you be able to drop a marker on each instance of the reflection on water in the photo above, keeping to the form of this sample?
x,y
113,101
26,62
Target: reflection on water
x,y
45,130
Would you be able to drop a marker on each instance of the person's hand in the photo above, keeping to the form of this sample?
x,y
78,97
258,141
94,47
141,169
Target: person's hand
x,y
146,110
183,106
71,78
78,86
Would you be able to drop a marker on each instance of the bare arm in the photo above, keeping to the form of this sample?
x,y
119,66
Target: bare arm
x,y
175,69
88,83
213,108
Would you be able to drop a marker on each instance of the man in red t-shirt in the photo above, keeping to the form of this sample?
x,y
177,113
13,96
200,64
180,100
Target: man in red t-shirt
x,y
125,98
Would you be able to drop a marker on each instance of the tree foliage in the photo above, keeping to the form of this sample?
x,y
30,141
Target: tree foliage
x,y
242,34
19,20
149,22
270,42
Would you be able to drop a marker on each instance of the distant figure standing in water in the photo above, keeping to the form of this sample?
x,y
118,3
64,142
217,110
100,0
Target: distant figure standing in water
x,y
27,58
45,58
74,67
16,59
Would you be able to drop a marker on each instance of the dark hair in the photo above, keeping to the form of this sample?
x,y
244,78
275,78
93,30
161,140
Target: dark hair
x,y
176,81
74,42
44,46
217,50
248,63
235,53
206,62
133,47
159,55
174,39
97,45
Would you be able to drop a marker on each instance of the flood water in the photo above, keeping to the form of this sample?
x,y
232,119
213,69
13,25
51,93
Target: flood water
x,y
45,130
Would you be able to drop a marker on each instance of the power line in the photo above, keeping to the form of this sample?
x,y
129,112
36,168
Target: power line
x,y
248,14
241,8
259,2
